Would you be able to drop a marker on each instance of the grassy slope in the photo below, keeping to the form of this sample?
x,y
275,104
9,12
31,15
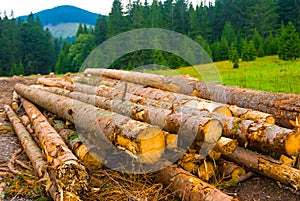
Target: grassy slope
x,y
267,73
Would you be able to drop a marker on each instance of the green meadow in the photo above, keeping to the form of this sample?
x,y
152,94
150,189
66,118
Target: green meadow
x,y
267,74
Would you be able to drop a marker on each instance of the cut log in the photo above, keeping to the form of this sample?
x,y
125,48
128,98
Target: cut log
x,y
266,166
188,187
226,146
15,101
83,151
249,114
189,127
149,93
56,83
175,83
284,107
32,150
146,142
183,98
249,133
70,175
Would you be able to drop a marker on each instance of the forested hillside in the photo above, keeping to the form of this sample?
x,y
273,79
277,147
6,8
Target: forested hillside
x,y
65,14
26,48
226,29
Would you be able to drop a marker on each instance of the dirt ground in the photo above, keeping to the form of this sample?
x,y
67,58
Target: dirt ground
x,y
257,188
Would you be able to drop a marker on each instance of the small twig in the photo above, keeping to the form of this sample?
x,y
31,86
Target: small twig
x,y
12,162
245,177
6,175
20,191
4,169
23,165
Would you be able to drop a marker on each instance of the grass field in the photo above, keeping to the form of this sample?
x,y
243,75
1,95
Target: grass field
x,y
267,74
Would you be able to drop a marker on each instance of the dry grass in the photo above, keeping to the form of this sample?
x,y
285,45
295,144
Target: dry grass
x,y
111,185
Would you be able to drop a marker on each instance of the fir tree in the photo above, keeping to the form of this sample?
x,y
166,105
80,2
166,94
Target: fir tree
x,y
289,43
233,56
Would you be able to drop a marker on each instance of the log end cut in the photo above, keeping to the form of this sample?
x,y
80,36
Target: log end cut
x,y
72,177
292,144
147,147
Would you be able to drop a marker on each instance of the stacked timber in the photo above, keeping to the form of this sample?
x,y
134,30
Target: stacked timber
x,y
140,123
284,107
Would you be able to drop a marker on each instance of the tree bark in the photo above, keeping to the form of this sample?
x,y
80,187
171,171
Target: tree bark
x,y
69,174
145,141
266,166
32,150
188,187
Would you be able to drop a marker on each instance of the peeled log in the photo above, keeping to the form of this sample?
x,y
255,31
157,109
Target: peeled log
x,y
32,150
266,166
188,187
143,140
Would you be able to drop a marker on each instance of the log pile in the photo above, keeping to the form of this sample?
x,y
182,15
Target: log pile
x,y
141,123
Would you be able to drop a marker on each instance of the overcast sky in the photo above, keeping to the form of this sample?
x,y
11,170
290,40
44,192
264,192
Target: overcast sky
x,y
25,7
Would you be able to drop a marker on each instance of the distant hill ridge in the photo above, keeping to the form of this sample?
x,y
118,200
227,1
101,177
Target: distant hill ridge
x,y
65,14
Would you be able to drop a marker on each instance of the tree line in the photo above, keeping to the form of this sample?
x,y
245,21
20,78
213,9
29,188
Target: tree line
x,y
227,29
26,48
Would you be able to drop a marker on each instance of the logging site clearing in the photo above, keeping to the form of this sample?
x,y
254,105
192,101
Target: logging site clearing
x,y
84,137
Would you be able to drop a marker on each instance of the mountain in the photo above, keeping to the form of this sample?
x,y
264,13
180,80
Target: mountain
x,y
63,21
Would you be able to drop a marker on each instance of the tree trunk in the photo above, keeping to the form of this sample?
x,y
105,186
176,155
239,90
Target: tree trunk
x,y
266,166
65,165
32,150
146,142
188,187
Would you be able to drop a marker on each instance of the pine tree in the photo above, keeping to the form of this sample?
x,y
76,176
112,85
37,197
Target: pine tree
x,y
259,44
233,56
271,47
289,43
248,51
229,34
79,30
116,22
100,30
